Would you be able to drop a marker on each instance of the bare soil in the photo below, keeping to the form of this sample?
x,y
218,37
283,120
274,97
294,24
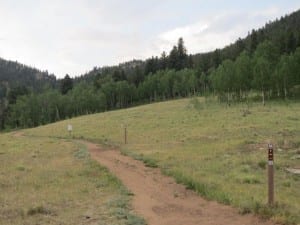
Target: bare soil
x,y
161,201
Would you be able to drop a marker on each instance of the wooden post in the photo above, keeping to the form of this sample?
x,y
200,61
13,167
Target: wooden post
x,y
270,175
70,128
125,134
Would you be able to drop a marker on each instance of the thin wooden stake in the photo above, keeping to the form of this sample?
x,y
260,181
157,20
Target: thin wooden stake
x,y
125,134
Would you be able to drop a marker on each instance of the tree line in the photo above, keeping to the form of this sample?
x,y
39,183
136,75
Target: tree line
x,y
264,72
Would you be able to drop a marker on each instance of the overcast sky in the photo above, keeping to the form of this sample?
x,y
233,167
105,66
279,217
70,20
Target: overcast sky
x,y
73,36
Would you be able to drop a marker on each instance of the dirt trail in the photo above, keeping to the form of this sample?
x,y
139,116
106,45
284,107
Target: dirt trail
x,y
161,201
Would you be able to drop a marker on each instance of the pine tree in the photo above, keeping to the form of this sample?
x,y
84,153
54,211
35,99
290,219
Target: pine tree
x,y
291,43
178,58
182,55
173,59
216,58
66,84
163,61
253,41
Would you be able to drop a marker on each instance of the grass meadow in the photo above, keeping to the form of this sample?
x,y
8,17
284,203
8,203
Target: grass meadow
x,y
219,151
54,181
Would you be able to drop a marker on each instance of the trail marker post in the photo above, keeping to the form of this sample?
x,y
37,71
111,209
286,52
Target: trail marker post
x,y
70,128
270,175
125,134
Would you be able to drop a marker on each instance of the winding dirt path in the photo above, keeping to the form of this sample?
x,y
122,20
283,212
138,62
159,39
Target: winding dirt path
x,y
161,201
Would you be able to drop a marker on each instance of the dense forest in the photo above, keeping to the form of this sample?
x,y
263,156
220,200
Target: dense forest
x,y
265,64
16,80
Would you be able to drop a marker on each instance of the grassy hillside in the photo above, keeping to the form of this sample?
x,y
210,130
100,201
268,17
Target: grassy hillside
x,y
48,181
219,151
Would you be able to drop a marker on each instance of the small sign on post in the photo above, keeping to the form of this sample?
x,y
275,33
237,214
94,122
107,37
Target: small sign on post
x,y
270,174
70,129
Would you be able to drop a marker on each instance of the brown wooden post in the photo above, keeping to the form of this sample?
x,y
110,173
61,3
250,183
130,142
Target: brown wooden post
x,y
270,175
125,134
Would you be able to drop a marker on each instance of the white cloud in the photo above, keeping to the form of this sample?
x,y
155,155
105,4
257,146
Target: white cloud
x,y
191,30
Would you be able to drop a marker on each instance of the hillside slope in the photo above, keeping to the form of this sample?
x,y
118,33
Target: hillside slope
x,y
218,151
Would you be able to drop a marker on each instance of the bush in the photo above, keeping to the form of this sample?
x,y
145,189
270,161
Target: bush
x,y
295,91
38,210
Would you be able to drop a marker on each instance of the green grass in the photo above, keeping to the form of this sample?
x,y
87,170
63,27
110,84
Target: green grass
x,y
54,181
218,151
